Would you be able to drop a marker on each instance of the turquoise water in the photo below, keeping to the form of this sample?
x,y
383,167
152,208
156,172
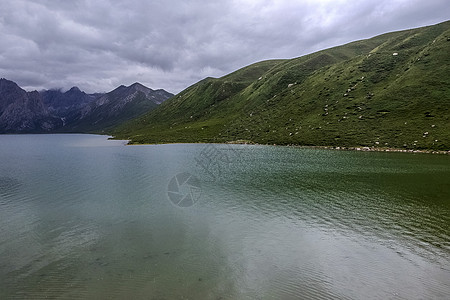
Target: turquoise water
x,y
83,217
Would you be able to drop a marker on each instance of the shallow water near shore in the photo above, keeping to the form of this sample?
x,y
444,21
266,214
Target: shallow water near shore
x,y
89,218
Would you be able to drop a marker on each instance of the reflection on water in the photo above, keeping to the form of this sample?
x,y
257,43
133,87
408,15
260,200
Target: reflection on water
x,y
83,217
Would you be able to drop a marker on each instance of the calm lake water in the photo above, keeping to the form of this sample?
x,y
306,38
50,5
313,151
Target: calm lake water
x,y
84,217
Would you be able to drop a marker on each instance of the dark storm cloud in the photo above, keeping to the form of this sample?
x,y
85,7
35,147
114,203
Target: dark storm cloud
x,y
171,44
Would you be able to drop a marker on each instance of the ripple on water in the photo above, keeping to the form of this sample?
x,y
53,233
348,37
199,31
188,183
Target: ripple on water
x,y
279,223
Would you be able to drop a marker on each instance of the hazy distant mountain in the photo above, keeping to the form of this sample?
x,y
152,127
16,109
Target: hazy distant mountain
x,y
66,105
63,103
392,90
117,106
23,112
73,110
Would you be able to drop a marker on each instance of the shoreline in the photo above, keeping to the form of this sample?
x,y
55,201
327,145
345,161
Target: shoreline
x,y
363,149
376,149
338,148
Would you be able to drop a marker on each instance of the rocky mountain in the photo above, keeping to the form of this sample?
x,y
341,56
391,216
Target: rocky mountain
x,y
117,106
392,90
24,112
73,110
66,104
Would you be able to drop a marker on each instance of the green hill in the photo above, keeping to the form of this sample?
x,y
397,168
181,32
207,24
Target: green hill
x,y
392,90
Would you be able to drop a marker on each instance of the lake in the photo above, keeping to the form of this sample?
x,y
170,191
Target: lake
x,y
83,217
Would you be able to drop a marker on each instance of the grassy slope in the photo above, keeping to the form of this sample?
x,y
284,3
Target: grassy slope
x,y
358,94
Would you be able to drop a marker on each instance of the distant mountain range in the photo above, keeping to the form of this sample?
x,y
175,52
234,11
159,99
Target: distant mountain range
x,y
392,90
73,110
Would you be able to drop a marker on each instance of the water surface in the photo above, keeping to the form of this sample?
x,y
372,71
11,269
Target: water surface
x,y
84,217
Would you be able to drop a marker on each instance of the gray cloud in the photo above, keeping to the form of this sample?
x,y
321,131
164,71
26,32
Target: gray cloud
x,y
171,44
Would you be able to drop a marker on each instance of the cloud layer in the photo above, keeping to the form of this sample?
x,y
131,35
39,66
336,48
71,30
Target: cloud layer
x,y
171,44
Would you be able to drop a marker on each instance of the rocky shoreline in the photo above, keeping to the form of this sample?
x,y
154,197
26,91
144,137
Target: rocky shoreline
x,y
374,149
365,149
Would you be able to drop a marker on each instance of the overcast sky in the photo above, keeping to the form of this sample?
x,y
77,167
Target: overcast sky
x,y
98,45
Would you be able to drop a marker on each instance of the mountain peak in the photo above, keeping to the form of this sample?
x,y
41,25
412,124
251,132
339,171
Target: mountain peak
x,y
140,86
72,110
74,89
136,84
5,81
23,111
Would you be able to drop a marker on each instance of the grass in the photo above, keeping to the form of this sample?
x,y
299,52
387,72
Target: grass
x,y
359,94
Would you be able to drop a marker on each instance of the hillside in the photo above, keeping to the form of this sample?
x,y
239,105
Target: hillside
x,y
392,90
